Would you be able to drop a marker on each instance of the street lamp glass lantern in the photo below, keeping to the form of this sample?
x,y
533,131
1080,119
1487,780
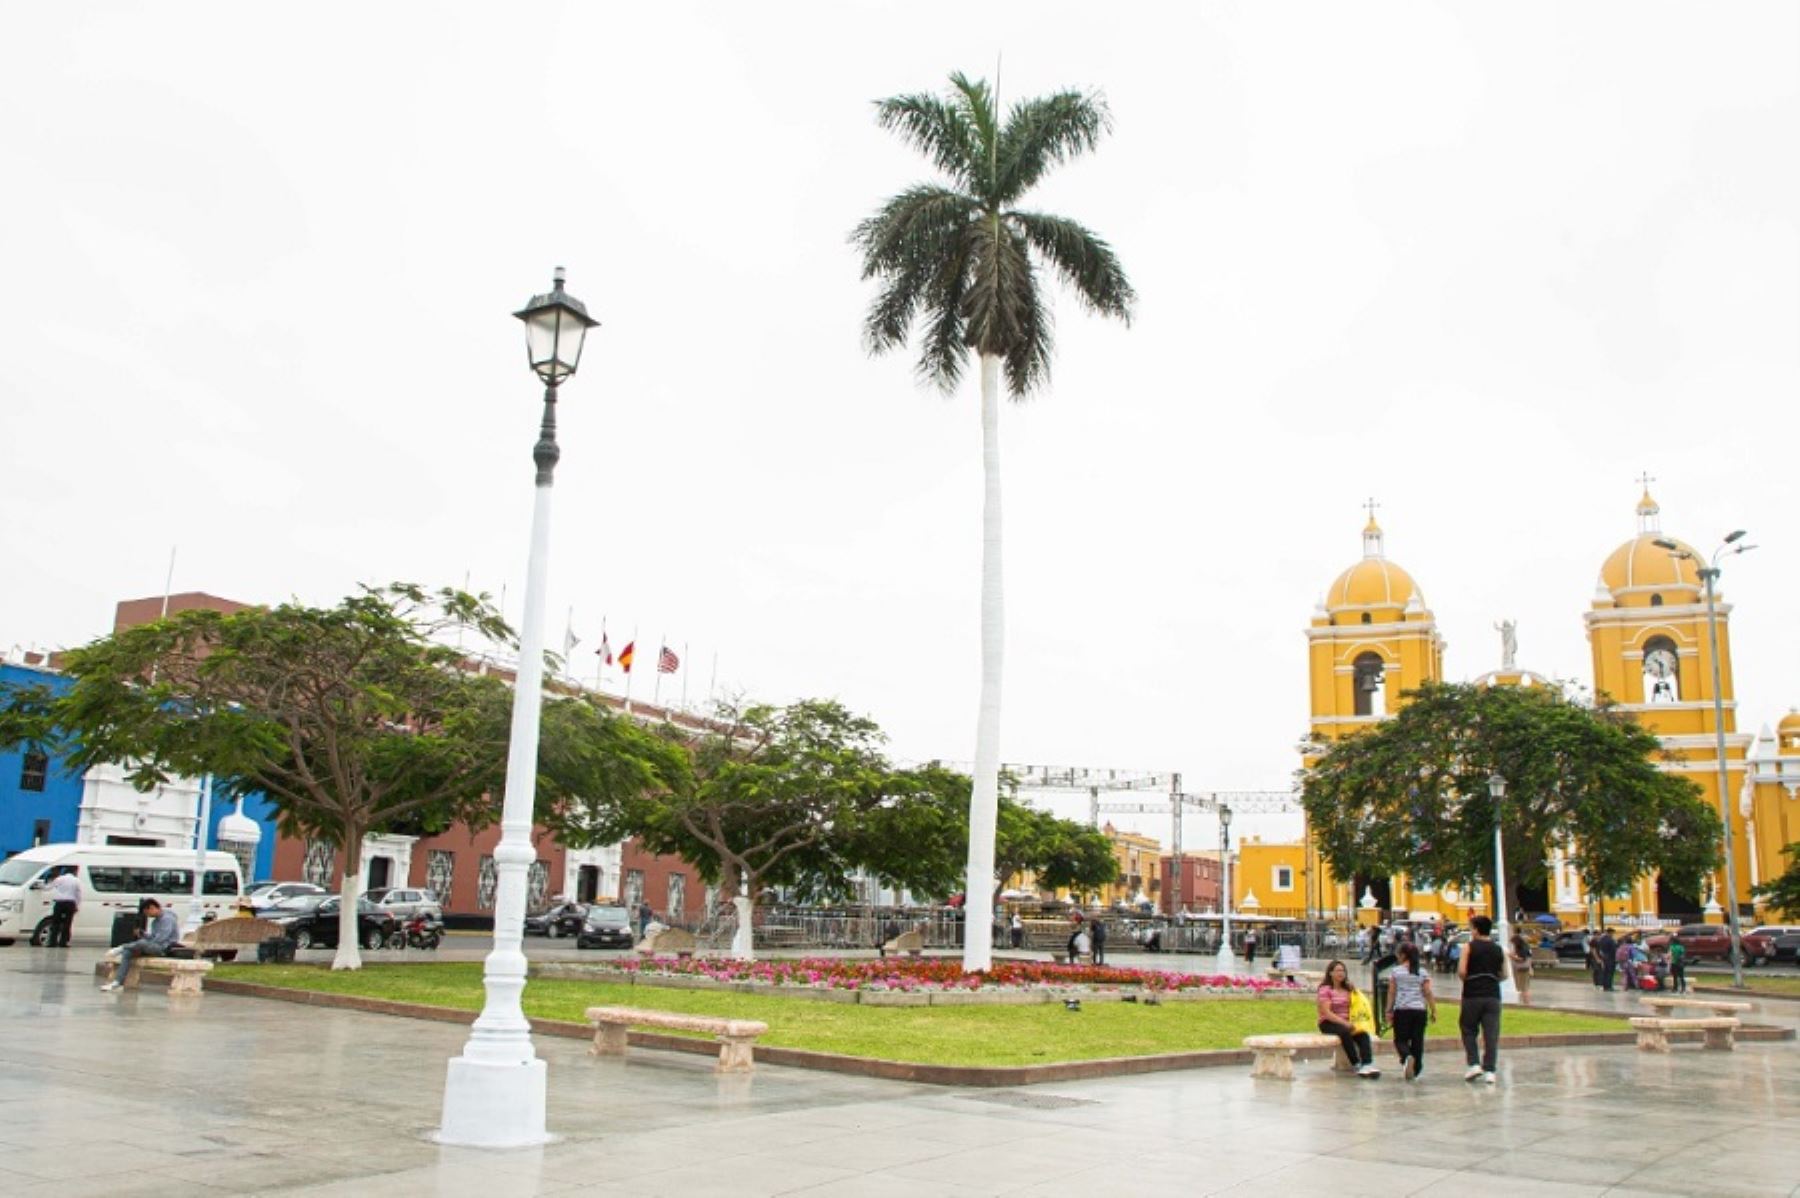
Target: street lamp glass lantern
x,y
1497,786
556,324
1225,816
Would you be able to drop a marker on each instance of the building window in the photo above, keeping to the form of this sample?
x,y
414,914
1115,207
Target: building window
x,y
35,769
634,890
40,832
1284,877
677,908
537,885
484,884
711,900
1656,601
1369,697
440,872
316,866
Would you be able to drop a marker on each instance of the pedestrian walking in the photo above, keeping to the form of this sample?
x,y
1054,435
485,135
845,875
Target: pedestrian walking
x,y
1482,968
1250,948
1521,963
1097,932
1410,1005
1337,1010
1607,950
644,915
1677,966
1627,963
64,892
1017,928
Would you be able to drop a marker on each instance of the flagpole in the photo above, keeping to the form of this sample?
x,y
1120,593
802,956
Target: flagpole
x,y
600,657
712,687
569,643
656,686
632,645
684,657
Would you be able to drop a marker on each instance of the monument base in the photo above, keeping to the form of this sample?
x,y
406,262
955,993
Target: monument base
x,y
488,1105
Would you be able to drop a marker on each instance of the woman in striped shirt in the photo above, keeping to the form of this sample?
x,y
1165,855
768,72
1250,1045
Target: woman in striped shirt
x,y
1410,1003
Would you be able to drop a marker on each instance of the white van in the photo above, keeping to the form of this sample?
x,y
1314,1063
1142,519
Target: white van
x,y
114,878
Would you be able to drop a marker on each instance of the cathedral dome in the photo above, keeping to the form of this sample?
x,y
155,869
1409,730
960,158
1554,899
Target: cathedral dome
x,y
1641,567
1789,726
1374,582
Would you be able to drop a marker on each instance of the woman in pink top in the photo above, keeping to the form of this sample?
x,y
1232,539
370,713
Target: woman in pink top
x,y
1334,1019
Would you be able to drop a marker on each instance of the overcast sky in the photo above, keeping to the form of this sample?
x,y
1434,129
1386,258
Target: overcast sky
x,y
1483,262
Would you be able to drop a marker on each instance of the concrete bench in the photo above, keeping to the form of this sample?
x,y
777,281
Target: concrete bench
x,y
737,1037
911,943
1311,976
183,976
1275,1054
669,940
1653,1033
1724,1008
222,939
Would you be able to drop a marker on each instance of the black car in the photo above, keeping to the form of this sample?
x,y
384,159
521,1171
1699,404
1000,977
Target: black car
x,y
605,927
564,919
312,921
1787,947
1571,946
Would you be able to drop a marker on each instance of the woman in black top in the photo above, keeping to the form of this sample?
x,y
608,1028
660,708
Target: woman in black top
x,y
1482,969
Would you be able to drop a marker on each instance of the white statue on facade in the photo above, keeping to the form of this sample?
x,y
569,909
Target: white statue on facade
x,y
1509,643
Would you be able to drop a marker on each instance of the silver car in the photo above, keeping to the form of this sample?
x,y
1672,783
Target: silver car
x,y
404,902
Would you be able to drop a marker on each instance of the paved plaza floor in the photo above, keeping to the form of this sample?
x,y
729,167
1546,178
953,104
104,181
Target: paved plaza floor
x,y
125,1094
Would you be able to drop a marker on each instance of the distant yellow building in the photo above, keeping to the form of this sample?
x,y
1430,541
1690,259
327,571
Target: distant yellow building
x,y
1137,856
1372,638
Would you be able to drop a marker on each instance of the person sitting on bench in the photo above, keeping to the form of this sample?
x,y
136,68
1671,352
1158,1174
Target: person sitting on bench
x,y
162,930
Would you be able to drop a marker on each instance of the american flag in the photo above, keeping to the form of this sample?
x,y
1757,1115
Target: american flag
x,y
667,662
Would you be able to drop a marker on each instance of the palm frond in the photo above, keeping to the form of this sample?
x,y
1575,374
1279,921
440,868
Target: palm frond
x,y
1083,259
908,244
1003,309
976,101
944,350
937,128
1044,132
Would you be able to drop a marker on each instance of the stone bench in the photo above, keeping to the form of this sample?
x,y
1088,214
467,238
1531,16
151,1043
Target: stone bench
x,y
1275,1054
1313,976
222,939
669,940
1653,1033
736,1036
1724,1008
184,976
911,943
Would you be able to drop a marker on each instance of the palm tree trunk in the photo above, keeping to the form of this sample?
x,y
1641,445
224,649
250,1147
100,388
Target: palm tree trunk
x,y
349,949
984,801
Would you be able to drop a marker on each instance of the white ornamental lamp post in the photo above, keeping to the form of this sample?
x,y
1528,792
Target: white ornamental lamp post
x,y
1509,989
1709,574
1225,962
494,1094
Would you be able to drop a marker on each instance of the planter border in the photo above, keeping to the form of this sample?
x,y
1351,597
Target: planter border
x,y
975,1076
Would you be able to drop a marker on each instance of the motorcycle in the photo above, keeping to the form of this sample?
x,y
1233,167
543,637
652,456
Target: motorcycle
x,y
418,932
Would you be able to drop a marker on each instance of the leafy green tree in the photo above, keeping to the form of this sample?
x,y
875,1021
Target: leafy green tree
x,y
1411,794
1783,893
771,796
963,260
353,719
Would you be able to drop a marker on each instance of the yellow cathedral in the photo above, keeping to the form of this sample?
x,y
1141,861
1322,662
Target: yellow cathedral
x,y
1372,638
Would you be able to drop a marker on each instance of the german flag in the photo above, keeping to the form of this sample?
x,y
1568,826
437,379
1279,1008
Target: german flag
x,y
625,656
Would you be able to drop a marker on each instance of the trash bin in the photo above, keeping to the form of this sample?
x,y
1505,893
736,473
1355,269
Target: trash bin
x,y
126,927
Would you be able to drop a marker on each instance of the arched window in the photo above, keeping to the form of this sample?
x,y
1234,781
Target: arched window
x,y
1367,618
1656,601
1662,671
1371,699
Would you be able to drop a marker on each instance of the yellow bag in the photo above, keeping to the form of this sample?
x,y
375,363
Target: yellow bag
x,y
1362,1015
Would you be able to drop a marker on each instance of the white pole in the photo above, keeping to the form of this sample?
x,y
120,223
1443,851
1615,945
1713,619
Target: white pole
x,y
1226,961
195,914
656,679
494,1096
1509,989
684,674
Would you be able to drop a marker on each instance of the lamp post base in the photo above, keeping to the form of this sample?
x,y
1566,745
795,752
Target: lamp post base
x,y
494,1105
1225,962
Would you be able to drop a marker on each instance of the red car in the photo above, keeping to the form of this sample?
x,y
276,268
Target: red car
x,y
1712,942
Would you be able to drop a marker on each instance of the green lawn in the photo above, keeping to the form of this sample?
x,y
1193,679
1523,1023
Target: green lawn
x,y
1761,981
972,1035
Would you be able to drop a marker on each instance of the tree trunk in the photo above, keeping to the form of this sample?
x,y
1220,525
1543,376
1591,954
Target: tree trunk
x,y
349,949
984,800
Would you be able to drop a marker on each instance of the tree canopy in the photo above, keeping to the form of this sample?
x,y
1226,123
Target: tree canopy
x,y
1783,891
1410,794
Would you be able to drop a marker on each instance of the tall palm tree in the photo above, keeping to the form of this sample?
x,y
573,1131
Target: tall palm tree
x,y
962,260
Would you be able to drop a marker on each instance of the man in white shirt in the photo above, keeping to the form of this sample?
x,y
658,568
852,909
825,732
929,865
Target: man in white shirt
x,y
65,899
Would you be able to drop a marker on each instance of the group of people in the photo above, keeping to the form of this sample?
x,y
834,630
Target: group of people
x,y
1410,1004
1610,956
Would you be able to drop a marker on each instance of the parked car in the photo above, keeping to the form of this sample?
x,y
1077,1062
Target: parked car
x,y
405,902
1712,942
564,919
1570,946
114,880
267,894
312,921
605,927
1785,937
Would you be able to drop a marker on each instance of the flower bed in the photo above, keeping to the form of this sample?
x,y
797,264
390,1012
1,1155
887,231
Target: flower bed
x,y
939,975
